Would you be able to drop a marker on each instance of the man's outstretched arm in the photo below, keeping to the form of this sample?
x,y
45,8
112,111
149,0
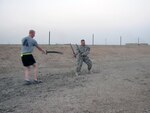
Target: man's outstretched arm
x,y
40,49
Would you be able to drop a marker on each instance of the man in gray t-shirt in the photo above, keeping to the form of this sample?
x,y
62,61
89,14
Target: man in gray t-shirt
x,y
28,44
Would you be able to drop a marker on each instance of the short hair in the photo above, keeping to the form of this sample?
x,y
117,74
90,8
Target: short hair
x,y
82,40
31,31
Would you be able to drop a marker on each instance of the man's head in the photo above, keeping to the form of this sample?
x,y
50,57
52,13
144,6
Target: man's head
x,y
83,42
32,33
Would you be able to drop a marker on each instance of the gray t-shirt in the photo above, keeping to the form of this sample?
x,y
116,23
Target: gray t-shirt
x,y
28,45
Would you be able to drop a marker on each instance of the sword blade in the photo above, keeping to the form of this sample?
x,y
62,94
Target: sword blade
x,y
53,52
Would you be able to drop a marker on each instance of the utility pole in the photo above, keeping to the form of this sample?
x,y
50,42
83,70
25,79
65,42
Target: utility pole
x,y
49,38
138,41
120,40
93,39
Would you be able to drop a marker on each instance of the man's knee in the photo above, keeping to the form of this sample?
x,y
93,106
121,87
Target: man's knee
x,y
79,64
34,65
89,65
27,68
78,68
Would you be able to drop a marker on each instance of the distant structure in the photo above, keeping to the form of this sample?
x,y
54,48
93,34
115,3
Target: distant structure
x,y
137,44
120,40
49,38
138,40
93,39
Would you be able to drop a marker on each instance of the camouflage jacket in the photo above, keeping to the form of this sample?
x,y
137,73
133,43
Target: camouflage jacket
x,y
82,51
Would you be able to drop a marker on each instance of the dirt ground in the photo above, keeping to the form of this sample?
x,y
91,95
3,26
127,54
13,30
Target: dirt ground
x,y
119,83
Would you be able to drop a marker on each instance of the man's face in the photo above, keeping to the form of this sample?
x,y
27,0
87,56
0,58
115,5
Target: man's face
x,y
83,43
32,34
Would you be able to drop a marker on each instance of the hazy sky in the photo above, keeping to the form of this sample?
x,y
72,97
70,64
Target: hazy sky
x,y
72,20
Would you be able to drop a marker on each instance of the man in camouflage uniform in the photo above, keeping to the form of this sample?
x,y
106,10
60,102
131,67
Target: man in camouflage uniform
x,y
82,56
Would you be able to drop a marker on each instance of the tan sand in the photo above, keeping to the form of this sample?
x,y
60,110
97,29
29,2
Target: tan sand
x,y
119,83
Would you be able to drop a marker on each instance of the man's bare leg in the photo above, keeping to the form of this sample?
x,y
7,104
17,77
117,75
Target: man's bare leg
x,y
36,81
27,80
35,71
27,70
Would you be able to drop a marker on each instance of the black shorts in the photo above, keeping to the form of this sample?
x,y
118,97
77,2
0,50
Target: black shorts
x,y
28,60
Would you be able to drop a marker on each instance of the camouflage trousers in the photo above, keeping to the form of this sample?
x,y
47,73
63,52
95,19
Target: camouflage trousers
x,y
80,61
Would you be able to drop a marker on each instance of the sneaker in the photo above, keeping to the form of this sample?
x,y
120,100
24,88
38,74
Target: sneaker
x,y
37,81
27,82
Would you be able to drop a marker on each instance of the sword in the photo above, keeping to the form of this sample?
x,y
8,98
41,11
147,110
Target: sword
x,y
73,50
53,52
78,49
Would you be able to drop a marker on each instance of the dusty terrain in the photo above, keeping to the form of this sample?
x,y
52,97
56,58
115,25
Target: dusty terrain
x,y
119,83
